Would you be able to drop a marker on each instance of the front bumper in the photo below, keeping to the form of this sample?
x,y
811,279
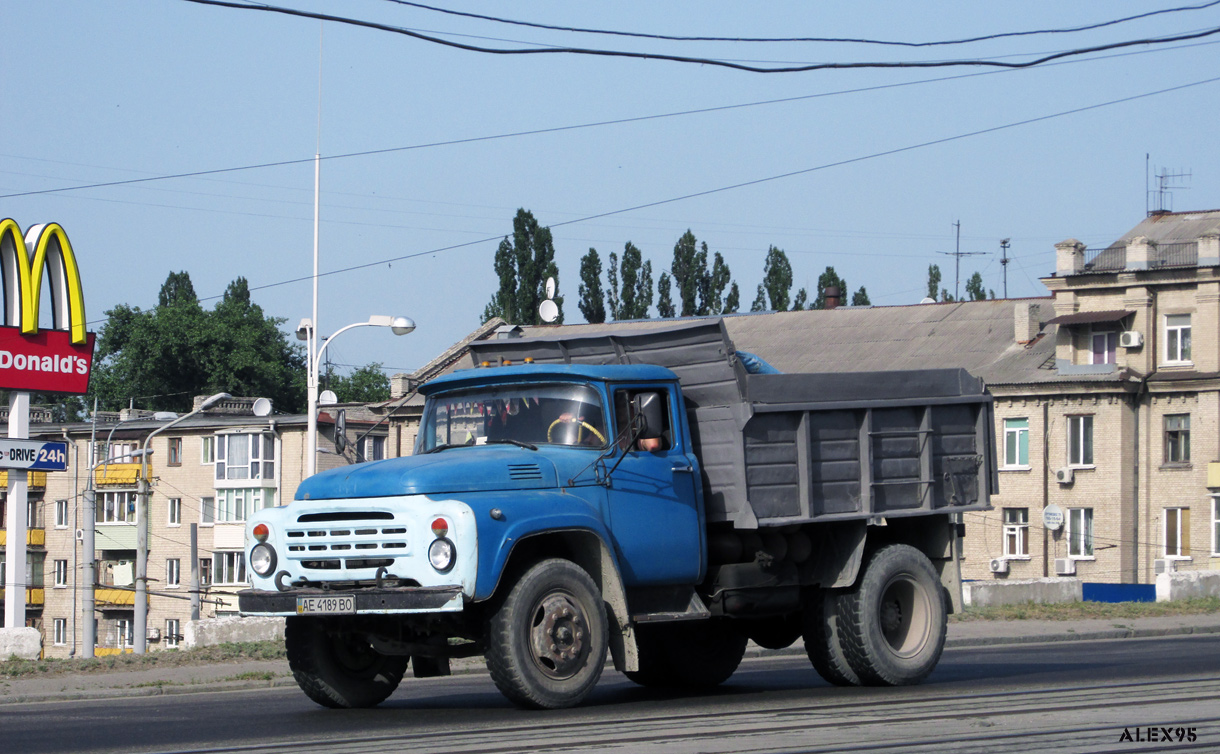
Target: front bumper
x,y
423,599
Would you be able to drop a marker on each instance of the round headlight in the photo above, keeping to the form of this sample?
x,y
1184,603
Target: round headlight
x,y
441,554
262,559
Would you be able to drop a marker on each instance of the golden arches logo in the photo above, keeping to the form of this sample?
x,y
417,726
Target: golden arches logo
x,y
23,261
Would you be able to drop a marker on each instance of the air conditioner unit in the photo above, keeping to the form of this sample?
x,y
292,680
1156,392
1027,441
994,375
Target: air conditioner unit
x,y
1064,475
999,565
1065,566
1163,566
1130,339
80,535
153,634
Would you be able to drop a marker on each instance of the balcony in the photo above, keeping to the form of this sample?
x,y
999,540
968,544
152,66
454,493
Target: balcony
x,y
33,537
111,598
118,475
34,597
34,480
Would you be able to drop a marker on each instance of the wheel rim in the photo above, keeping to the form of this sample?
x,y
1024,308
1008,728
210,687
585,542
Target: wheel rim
x,y
354,655
559,636
905,615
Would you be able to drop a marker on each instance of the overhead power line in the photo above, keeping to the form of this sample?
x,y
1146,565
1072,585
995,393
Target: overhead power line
x,y
705,61
849,40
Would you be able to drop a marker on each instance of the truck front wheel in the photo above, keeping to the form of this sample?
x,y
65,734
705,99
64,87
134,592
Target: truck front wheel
x,y
338,668
892,624
547,641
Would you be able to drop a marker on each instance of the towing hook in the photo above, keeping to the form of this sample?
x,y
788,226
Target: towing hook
x,y
279,581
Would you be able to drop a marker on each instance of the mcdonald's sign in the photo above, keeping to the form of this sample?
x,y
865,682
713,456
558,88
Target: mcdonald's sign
x,y
57,360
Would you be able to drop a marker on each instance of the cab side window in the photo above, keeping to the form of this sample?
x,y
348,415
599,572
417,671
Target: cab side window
x,y
623,416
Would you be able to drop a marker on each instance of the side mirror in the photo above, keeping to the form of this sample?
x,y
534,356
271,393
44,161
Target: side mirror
x,y
648,409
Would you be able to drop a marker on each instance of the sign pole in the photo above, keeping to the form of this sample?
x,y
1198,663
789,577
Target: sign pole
x,y
17,523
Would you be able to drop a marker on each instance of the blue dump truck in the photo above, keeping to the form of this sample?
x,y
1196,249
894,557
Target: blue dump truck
x,y
649,493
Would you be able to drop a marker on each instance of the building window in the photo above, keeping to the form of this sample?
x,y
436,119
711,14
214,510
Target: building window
x,y
1104,346
245,457
1016,532
207,510
115,452
1177,533
61,514
173,572
1080,440
173,456
175,512
61,573
1080,532
116,508
126,632
372,448
173,631
1177,338
237,505
61,632
205,571
207,453
230,568
1016,443
1177,438
1216,526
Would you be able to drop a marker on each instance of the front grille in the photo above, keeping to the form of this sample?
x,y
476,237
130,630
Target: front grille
x,y
372,544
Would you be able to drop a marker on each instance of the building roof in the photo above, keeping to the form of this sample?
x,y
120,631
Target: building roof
x,y
1174,237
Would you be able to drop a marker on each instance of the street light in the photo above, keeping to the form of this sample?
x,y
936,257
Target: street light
x,y
141,606
307,333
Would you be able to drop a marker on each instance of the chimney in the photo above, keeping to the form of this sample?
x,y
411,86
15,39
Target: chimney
x,y
1027,316
1139,253
1069,257
831,297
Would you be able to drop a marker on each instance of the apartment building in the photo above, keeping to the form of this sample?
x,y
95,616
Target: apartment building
x,y
207,475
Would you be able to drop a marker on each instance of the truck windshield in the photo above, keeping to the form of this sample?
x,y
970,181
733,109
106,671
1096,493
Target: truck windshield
x,y
556,414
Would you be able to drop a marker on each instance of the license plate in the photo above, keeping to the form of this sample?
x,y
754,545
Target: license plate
x,y
339,604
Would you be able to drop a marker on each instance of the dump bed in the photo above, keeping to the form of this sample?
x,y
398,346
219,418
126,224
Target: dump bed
x,y
777,449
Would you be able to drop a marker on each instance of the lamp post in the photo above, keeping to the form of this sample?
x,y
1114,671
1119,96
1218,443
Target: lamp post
x,y
141,606
307,333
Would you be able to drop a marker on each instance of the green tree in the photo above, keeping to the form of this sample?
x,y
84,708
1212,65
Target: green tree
x,y
934,281
860,298
777,279
523,265
665,300
826,280
732,302
975,290
690,274
631,287
368,384
612,292
760,300
592,301
801,299
720,278
160,359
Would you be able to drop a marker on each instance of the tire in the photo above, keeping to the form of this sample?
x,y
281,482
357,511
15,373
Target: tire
x,y
547,641
823,643
691,655
339,669
893,623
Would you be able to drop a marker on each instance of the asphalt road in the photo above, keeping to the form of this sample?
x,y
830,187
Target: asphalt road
x,y
1088,696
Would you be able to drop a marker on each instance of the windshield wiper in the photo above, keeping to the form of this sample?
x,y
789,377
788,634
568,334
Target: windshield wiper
x,y
518,443
446,446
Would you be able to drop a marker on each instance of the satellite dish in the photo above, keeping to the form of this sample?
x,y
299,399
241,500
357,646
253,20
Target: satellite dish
x,y
550,287
548,311
328,398
261,407
927,300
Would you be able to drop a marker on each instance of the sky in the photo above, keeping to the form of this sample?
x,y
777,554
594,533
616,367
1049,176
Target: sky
x,y
428,151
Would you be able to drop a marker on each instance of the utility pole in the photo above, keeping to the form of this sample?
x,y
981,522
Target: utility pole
x,y
958,254
1004,263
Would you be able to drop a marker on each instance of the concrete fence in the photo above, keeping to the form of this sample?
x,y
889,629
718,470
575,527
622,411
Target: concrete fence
x,y
1015,592
210,631
22,643
1187,584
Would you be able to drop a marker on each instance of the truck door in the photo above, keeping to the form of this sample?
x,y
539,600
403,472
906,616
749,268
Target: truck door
x,y
653,508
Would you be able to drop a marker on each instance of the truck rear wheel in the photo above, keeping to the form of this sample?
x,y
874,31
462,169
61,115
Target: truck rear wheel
x,y
893,622
694,654
547,641
823,643
337,668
